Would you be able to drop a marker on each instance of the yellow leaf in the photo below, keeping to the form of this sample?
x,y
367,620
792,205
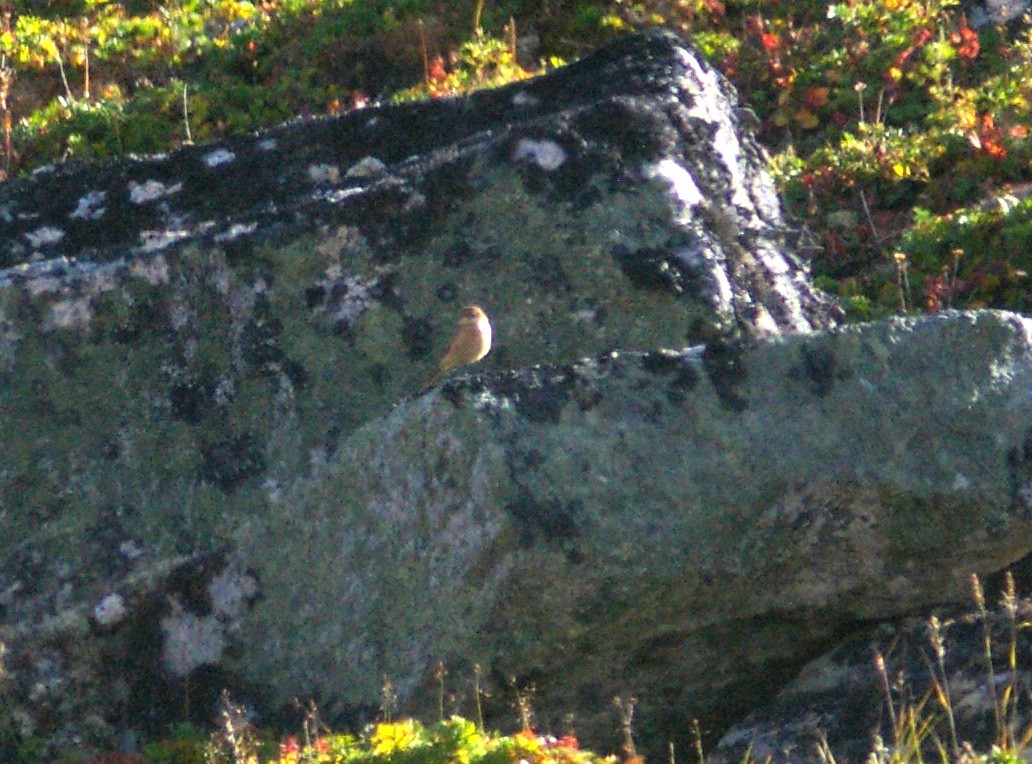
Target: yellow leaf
x,y
49,48
388,738
900,170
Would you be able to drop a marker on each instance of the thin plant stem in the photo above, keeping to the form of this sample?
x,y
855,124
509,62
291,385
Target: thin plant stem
x,y
477,13
938,646
477,671
697,740
883,679
987,642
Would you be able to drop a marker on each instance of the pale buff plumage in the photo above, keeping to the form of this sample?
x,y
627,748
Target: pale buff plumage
x,y
471,342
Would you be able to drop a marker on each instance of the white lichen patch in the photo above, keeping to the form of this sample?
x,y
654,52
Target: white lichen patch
x,y
349,295
235,231
91,206
679,181
130,550
44,235
225,392
548,155
488,401
153,270
712,106
72,313
149,190
523,100
230,592
151,241
190,641
323,173
268,144
181,316
109,610
219,156
367,167
339,195
43,285
346,239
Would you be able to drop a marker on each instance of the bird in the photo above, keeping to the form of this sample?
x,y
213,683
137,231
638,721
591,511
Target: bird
x,y
470,343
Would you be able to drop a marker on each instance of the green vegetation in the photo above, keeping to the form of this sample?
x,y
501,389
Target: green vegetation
x,y
406,741
897,132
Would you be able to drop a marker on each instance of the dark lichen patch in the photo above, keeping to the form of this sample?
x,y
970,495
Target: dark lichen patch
x,y
239,250
550,520
417,336
551,275
652,269
579,183
447,292
684,374
630,130
190,401
543,403
232,461
459,254
64,349
523,460
820,367
442,190
725,367
138,320
660,362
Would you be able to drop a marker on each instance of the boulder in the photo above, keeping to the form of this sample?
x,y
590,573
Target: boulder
x,y
676,526
902,686
219,469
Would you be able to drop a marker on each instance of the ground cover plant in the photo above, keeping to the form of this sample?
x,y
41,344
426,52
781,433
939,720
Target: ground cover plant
x,y
898,131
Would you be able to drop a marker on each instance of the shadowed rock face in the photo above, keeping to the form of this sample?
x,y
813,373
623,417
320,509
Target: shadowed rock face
x,y
682,527
840,699
218,470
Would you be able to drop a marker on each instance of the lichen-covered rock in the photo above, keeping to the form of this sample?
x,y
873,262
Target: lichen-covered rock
x,y
931,669
670,525
200,353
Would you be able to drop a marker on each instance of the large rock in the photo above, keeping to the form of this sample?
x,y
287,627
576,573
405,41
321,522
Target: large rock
x,y
185,338
914,684
217,468
668,525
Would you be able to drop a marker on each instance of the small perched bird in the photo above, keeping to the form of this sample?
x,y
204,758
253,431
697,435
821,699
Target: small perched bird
x,y
471,342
